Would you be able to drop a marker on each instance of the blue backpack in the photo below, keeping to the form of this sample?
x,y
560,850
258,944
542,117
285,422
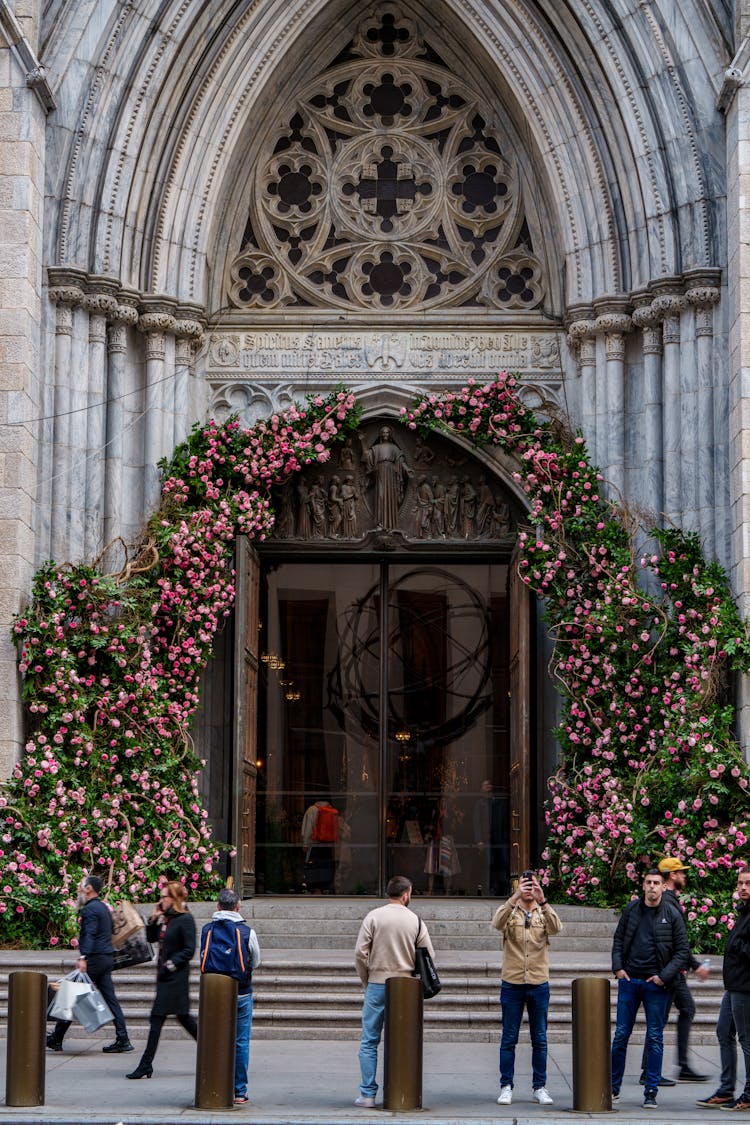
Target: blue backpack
x,y
224,952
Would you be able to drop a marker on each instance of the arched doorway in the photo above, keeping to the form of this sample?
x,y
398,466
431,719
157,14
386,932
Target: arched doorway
x,y
383,668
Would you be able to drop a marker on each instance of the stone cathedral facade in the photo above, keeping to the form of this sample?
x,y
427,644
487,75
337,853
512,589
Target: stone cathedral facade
x,y
216,208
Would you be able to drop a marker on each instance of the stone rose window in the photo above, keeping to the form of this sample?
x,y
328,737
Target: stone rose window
x,y
383,186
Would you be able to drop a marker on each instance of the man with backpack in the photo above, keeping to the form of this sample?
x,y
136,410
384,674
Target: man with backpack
x,y
230,947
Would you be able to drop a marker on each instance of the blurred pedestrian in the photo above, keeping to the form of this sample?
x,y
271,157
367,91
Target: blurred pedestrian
x,y
734,1013
172,925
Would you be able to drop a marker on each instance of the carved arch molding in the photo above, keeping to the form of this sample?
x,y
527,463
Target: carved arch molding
x,y
383,185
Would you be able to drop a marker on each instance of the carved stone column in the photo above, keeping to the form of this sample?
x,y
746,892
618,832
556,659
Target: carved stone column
x,y
100,302
703,298
188,334
66,297
668,307
650,447
582,336
155,322
614,324
123,317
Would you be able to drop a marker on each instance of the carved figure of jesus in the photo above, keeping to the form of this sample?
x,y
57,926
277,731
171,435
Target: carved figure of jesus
x,y
388,472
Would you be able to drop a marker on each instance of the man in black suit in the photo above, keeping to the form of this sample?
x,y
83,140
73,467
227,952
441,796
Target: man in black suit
x,y
95,946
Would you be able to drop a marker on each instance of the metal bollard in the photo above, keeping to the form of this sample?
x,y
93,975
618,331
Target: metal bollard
x,y
592,1058
27,1027
402,1071
217,1033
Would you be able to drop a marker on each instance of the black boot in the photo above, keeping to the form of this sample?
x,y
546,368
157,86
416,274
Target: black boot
x,y
53,1044
119,1047
143,1070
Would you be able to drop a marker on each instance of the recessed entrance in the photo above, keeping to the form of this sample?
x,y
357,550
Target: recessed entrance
x,y
384,692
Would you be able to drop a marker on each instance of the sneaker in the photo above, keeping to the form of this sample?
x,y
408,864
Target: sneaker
x,y
53,1044
364,1103
687,1074
542,1096
649,1099
716,1101
741,1103
240,1099
119,1047
506,1095
662,1081
615,1095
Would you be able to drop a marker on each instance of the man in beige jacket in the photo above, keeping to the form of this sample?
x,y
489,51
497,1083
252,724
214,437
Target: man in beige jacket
x,y
385,948
526,922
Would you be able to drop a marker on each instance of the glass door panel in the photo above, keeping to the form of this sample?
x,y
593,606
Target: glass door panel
x,y
317,747
384,692
447,771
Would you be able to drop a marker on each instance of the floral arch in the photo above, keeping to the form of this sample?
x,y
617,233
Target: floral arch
x,y
644,642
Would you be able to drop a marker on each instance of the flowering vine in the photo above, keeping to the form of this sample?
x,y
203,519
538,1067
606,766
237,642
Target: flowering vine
x,y
111,668
644,642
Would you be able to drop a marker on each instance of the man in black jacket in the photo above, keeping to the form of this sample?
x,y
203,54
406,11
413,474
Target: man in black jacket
x,y
674,873
95,947
649,949
734,1014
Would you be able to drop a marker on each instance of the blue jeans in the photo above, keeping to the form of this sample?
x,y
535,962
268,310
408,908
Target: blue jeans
x,y
373,1015
733,1024
655,999
242,1044
535,997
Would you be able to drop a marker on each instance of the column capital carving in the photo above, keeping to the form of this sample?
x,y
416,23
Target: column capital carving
x,y
702,296
152,323
187,329
613,323
614,344
587,351
100,303
652,339
646,317
581,329
70,295
669,305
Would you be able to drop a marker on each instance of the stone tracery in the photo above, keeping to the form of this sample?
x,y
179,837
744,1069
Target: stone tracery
x,y
384,186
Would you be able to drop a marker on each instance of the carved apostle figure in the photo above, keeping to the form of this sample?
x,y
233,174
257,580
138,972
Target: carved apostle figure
x,y
304,528
452,497
424,506
438,508
335,505
317,505
388,473
468,505
349,499
485,506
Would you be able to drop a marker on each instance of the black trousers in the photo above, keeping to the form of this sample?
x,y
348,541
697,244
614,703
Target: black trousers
x,y
99,968
156,1023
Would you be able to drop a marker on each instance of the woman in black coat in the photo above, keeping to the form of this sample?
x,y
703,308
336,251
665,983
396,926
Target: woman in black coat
x,y
173,927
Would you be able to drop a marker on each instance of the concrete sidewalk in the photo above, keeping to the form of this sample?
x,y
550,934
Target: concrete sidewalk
x,y
294,1082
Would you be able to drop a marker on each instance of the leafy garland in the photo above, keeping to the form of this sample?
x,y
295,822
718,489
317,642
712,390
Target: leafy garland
x,y
111,665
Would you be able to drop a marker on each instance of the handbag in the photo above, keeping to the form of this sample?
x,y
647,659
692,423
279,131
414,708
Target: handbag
x,y
69,989
424,969
92,1010
134,951
126,921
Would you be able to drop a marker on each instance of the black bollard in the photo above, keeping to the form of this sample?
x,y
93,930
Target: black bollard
x,y
217,1033
27,1028
592,1058
402,1072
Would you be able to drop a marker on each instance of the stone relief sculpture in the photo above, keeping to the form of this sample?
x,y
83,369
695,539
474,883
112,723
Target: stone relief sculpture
x,y
384,499
389,473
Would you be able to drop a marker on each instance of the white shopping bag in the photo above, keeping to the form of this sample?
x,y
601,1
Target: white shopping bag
x,y
68,990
